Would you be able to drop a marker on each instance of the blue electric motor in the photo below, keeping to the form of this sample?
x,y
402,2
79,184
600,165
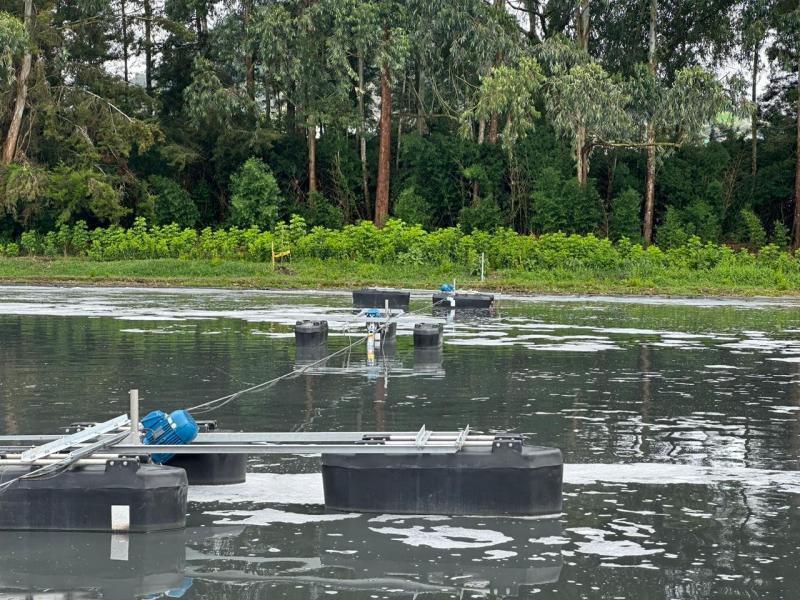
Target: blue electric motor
x,y
161,429
446,287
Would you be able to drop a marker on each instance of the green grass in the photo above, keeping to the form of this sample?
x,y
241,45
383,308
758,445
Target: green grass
x,y
310,273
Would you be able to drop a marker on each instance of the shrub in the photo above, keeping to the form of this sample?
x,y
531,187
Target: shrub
x,y
412,208
564,205
625,221
485,215
173,203
780,235
401,243
255,196
754,233
321,212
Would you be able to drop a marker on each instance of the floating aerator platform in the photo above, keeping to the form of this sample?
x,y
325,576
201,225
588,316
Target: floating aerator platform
x,y
423,472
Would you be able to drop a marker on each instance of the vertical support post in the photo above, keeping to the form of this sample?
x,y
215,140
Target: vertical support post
x,y
133,412
483,261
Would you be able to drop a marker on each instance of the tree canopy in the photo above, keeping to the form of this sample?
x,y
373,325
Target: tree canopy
x,y
621,119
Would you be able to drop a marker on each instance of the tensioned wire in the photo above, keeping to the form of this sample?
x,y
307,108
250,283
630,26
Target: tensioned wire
x,y
212,405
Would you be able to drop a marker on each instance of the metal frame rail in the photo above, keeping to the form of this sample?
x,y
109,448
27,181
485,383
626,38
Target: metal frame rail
x,y
423,441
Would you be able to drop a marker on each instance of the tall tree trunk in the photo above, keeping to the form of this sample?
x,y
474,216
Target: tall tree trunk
x,y
385,151
124,23
796,236
650,185
582,151
10,145
476,186
582,25
201,24
311,134
532,8
608,208
267,100
498,60
249,65
362,135
754,120
422,126
148,46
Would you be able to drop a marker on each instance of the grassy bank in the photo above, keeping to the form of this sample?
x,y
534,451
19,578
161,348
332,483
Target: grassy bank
x,y
744,280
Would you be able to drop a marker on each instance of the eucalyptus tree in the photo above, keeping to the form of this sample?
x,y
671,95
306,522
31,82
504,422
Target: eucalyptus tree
x,y
754,27
355,39
785,50
293,41
379,33
18,43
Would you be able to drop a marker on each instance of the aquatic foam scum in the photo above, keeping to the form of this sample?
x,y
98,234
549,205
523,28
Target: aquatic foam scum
x,y
444,536
271,516
598,544
672,474
306,488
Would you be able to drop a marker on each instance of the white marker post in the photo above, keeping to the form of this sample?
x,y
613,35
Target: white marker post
x,y
133,412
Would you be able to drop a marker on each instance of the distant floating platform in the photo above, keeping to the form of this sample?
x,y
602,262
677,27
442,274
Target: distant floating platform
x,y
464,301
378,297
512,479
120,495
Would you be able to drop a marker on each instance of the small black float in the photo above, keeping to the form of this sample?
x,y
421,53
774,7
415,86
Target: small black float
x,y
378,298
211,468
311,333
511,479
428,335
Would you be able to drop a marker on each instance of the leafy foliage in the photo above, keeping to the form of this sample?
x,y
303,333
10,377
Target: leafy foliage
x,y
255,197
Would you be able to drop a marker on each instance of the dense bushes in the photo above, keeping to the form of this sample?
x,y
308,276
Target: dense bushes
x,y
399,243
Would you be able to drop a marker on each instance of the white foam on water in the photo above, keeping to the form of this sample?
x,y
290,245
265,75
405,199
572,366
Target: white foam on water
x,y
267,488
499,554
399,519
477,342
723,367
789,359
269,516
600,546
574,347
553,540
674,474
442,537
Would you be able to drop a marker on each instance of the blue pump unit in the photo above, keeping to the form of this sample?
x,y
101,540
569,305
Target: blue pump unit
x,y
161,429
446,287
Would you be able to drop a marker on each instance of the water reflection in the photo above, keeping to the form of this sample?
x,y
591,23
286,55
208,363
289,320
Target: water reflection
x,y
92,565
501,558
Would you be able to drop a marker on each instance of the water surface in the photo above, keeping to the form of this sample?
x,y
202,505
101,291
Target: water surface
x,y
679,421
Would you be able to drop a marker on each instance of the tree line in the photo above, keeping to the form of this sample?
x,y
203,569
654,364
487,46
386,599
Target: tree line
x,y
655,120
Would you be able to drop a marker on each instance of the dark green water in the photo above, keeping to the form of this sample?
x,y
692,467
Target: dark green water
x,y
680,422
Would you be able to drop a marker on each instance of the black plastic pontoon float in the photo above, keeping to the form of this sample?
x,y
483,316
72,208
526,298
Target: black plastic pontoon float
x,y
380,297
463,301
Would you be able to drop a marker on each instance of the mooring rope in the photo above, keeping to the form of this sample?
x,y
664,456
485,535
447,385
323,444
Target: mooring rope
x,y
212,405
